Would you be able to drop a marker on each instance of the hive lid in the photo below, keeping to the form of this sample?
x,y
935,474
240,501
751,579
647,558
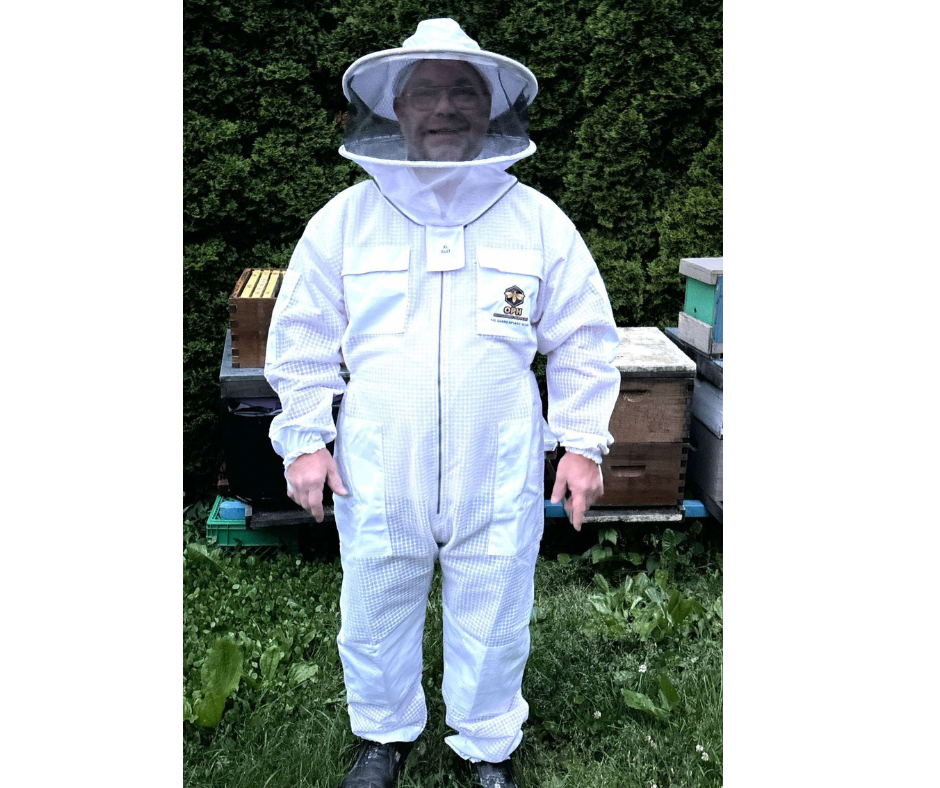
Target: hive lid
x,y
705,269
647,351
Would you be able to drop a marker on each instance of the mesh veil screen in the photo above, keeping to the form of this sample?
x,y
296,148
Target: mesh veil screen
x,y
382,128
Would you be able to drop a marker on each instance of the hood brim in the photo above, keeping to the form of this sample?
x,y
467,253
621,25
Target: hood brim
x,y
489,64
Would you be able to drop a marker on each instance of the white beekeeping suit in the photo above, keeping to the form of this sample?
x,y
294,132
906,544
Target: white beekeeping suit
x,y
437,281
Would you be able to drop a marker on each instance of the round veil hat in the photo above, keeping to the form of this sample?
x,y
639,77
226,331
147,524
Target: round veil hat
x,y
371,84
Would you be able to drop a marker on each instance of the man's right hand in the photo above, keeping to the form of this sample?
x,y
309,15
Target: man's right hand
x,y
305,478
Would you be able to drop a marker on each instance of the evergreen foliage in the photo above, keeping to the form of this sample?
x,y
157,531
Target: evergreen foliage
x,y
627,121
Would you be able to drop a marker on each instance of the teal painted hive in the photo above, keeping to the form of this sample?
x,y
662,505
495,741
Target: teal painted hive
x,y
701,322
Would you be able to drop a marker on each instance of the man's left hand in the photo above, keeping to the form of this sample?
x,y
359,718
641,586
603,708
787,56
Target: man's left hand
x,y
582,476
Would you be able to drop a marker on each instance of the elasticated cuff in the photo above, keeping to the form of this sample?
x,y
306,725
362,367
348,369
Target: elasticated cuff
x,y
313,446
591,455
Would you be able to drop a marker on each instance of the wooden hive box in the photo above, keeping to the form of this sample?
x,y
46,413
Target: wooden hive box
x,y
706,432
650,422
701,321
706,460
251,305
706,466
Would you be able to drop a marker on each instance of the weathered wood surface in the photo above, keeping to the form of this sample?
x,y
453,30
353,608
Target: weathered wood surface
x,y
644,474
251,305
250,319
698,334
706,460
238,382
662,514
265,519
704,269
651,514
646,352
708,406
707,367
652,410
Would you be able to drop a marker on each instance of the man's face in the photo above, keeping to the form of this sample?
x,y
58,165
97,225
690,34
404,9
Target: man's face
x,y
444,111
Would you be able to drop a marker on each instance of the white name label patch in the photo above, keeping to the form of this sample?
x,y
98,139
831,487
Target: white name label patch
x,y
445,248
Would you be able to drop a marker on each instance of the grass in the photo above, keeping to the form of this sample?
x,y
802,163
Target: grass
x,y
581,732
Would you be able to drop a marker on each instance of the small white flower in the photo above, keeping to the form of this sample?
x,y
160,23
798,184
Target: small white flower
x,y
649,739
597,715
653,785
704,756
699,748
642,668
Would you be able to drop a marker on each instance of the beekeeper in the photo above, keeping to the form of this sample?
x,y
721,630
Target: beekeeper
x,y
436,282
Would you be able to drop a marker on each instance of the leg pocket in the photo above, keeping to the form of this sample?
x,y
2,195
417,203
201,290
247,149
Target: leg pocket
x,y
361,516
518,511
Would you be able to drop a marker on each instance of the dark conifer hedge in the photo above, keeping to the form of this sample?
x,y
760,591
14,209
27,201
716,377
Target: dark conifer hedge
x,y
627,122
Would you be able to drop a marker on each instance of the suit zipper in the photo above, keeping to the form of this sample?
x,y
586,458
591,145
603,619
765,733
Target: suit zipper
x,y
440,407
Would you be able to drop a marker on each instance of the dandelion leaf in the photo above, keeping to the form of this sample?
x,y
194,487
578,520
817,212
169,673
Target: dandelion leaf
x,y
222,669
209,710
639,701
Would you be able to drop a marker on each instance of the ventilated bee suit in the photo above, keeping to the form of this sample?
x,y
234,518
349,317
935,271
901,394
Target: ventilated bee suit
x,y
436,282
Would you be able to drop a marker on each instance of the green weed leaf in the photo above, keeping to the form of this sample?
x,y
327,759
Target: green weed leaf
x,y
200,552
600,603
209,710
222,669
300,672
599,553
639,701
607,535
269,662
668,694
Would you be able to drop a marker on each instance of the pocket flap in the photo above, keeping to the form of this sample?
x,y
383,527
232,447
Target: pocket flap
x,y
366,259
512,261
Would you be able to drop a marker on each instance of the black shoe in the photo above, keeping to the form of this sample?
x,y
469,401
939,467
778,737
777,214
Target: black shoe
x,y
377,765
494,775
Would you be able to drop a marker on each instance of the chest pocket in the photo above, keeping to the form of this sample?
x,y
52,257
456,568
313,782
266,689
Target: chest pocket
x,y
508,283
375,287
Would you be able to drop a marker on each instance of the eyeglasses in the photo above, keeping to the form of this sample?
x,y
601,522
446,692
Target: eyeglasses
x,y
461,96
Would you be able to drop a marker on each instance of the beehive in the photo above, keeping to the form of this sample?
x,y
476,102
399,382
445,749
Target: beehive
x,y
251,306
650,422
701,322
706,433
